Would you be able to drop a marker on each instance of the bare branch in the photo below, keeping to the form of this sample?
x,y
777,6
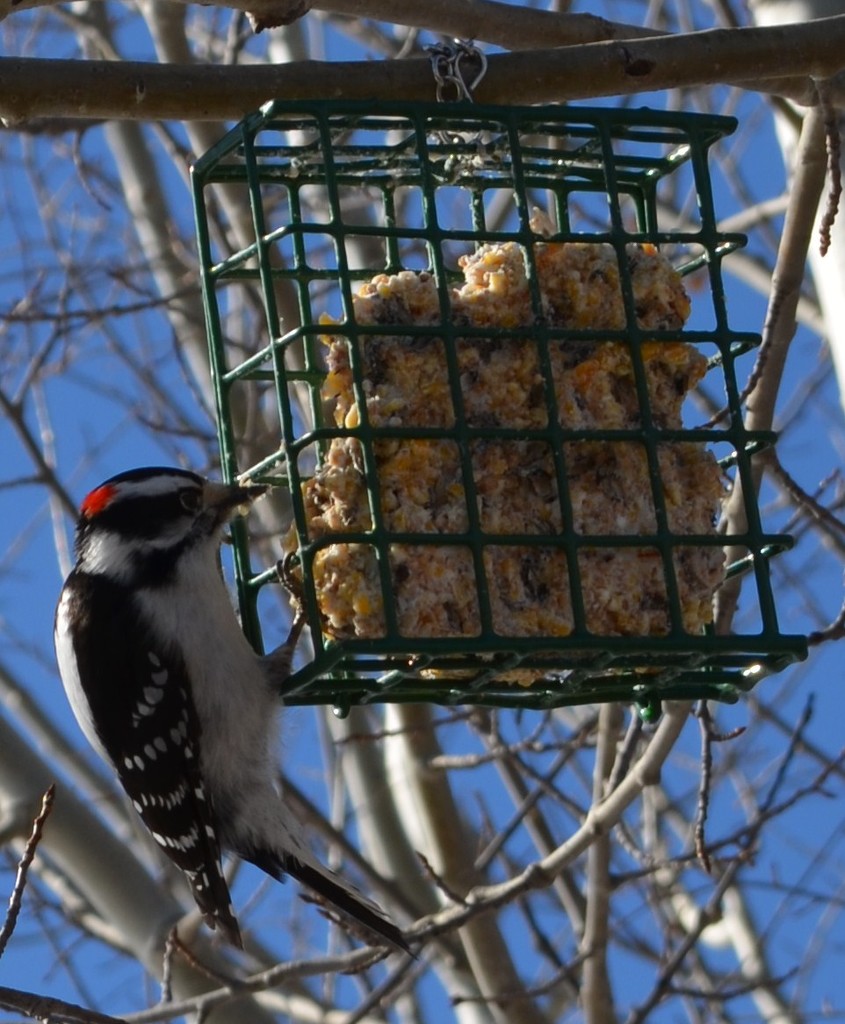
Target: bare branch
x,y
835,631
778,330
833,140
30,87
602,816
23,867
14,413
833,527
709,736
57,1011
514,28
597,993
430,812
704,786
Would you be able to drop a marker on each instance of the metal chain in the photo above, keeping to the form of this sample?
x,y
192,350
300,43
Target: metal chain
x,y
449,63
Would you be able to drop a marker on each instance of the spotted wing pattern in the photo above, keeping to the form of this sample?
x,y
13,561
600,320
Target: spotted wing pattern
x,y
145,719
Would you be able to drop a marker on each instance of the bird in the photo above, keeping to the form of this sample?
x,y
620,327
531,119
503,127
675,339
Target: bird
x,y
168,691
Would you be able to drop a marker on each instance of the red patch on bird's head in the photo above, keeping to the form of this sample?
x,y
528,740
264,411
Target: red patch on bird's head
x,y
97,500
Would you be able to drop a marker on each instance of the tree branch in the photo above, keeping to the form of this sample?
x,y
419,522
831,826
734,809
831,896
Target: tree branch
x,y
23,867
431,810
502,24
105,871
596,989
751,57
57,1011
778,331
645,772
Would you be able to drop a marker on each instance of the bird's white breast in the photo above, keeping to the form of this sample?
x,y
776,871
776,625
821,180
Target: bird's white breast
x,y
235,706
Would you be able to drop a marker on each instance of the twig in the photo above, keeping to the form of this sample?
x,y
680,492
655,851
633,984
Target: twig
x,y
727,992
564,974
56,1011
497,748
626,752
703,803
167,966
744,836
600,817
705,916
23,867
14,413
544,945
397,977
835,631
834,168
709,736
525,807
456,762
178,946
528,815
712,909
807,502
439,881
772,810
278,975
789,754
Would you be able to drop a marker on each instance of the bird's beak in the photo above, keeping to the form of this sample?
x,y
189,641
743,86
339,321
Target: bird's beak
x,y
229,500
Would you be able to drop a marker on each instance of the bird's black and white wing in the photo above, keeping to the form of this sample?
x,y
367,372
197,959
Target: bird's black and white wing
x,y
132,700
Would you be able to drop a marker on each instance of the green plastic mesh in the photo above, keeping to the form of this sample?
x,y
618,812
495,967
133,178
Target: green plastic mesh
x,y
341,192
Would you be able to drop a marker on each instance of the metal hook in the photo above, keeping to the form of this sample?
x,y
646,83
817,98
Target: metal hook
x,y
446,61
469,51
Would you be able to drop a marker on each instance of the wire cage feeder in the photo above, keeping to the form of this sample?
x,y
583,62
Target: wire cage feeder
x,y
498,491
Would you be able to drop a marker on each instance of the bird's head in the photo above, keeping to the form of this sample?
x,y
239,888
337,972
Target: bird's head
x,y
143,520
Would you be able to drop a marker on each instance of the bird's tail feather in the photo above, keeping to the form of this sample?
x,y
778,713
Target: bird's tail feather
x,y
339,895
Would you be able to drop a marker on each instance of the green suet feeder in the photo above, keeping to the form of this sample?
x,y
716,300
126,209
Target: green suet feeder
x,y
476,341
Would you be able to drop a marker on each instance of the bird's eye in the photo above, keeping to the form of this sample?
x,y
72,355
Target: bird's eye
x,y
190,500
